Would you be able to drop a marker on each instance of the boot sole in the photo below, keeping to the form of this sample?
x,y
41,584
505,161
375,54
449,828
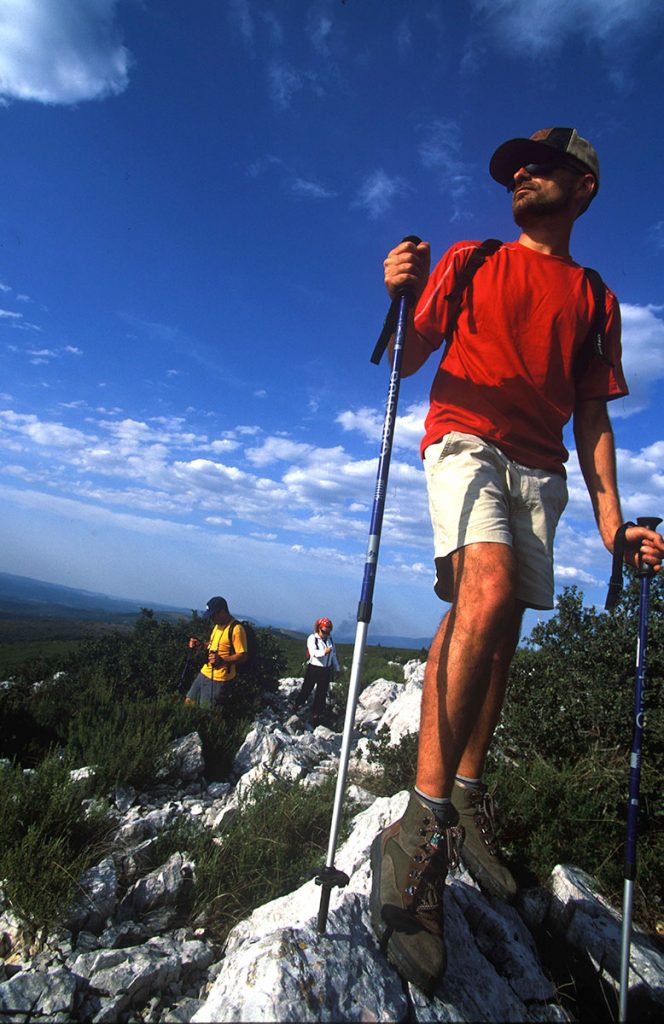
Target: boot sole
x,y
409,969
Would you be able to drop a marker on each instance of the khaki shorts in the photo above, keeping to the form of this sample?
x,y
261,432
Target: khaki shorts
x,y
477,494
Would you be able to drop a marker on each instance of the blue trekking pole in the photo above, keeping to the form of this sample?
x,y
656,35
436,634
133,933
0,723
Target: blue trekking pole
x,y
645,574
396,323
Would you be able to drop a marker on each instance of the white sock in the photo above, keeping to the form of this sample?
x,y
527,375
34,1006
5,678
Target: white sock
x,y
463,780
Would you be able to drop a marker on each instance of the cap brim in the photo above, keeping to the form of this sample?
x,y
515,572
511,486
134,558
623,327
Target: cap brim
x,y
516,153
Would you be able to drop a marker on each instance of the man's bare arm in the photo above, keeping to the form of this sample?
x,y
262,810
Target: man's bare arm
x,y
596,450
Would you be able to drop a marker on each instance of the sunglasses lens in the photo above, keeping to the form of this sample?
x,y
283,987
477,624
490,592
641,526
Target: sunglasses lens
x,y
544,170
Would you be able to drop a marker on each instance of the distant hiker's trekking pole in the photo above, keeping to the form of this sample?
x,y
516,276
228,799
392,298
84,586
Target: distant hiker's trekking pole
x,y
645,574
185,669
396,323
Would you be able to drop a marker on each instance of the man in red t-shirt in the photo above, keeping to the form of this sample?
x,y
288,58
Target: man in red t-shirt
x,y
509,381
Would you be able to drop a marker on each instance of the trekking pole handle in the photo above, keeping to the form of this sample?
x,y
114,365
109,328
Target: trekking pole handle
x,y
391,320
650,523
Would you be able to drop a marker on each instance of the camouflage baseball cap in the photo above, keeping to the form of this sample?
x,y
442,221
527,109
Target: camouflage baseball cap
x,y
546,144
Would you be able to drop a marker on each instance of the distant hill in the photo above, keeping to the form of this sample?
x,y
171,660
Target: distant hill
x,y
21,596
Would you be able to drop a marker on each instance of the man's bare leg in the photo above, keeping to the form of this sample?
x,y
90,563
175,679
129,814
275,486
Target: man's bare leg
x,y
472,760
410,859
465,677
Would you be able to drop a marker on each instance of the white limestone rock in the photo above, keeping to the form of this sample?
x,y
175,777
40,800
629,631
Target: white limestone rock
x,y
96,899
184,760
592,928
278,967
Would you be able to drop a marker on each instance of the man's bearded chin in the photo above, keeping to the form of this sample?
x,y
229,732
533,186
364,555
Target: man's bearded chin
x,y
536,207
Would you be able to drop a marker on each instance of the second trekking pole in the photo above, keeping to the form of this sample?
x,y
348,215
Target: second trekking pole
x,y
396,318
645,574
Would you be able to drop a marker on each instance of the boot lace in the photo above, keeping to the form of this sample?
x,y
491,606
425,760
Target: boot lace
x,y
483,813
438,853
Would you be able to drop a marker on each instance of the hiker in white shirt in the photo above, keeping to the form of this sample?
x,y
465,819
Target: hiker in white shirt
x,y
321,663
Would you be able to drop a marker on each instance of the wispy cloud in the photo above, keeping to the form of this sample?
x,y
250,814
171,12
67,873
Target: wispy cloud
x,y
310,189
533,28
319,29
61,53
241,19
284,81
440,151
291,182
657,234
10,318
378,191
404,39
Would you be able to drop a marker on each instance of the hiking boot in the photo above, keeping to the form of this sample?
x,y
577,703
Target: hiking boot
x,y
481,852
409,864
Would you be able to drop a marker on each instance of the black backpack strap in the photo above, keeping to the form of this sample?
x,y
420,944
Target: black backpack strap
x,y
231,629
595,341
597,333
473,264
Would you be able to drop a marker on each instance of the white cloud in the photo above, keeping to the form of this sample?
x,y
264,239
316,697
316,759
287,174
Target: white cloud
x,y
61,53
378,191
275,449
42,432
404,39
534,27
643,356
142,472
657,234
408,429
284,81
439,151
218,521
319,30
239,14
310,189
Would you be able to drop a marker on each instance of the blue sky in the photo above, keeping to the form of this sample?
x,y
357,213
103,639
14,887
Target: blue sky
x,y
197,200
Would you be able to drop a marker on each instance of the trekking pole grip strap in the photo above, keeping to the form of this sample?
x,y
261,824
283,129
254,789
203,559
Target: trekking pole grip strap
x,y
392,318
616,582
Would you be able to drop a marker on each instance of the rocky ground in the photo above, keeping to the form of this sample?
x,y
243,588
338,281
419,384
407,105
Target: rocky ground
x,y
120,954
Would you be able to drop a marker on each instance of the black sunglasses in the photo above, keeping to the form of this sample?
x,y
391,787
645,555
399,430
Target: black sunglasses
x,y
545,170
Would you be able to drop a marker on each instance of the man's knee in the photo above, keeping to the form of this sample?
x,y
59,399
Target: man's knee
x,y
485,580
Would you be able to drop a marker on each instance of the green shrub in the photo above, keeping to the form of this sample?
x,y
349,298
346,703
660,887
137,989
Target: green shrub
x,y
573,684
396,765
121,738
46,839
576,814
117,703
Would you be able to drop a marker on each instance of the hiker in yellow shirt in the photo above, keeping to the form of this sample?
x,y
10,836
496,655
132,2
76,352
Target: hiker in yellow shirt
x,y
227,648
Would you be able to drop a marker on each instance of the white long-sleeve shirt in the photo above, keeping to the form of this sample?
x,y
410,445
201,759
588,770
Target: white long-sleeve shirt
x,y
318,653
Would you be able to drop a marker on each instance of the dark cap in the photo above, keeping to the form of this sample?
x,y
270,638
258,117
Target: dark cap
x,y
214,605
545,144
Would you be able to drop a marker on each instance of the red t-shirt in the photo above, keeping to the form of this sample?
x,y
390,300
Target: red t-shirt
x,y
507,375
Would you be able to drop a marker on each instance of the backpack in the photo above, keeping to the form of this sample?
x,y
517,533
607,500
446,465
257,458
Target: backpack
x,y
252,642
594,341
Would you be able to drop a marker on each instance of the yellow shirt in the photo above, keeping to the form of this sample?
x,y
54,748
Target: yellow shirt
x,y
220,643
